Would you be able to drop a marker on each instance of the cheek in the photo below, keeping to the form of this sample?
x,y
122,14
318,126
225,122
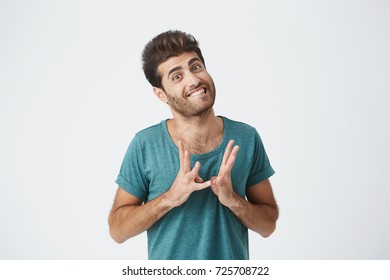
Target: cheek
x,y
207,78
176,89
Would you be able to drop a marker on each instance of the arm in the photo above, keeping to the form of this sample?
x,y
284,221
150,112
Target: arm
x,y
129,216
260,211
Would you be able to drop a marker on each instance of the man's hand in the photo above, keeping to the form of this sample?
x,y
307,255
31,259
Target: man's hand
x,y
187,181
260,211
222,184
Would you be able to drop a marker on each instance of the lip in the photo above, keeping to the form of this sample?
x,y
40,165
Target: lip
x,y
197,89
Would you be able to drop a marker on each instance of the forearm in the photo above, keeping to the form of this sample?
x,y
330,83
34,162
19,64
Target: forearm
x,y
131,220
260,218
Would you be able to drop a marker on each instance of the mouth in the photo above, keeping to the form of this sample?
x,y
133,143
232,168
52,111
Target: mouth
x,y
198,92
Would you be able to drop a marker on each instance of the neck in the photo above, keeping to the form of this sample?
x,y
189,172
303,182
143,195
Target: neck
x,y
199,134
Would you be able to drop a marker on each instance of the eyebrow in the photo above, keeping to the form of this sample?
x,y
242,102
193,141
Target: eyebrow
x,y
173,70
192,60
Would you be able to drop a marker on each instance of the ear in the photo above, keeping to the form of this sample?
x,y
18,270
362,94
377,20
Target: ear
x,y
160,93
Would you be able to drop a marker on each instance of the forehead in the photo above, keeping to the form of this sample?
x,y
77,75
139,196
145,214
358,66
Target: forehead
x,y
176,61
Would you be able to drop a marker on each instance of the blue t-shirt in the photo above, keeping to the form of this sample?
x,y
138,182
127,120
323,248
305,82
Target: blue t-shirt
x,y
201,228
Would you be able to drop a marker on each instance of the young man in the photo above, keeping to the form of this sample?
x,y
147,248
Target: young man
x,y
195,182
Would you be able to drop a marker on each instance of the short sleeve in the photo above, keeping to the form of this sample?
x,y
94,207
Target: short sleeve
x,y
261,167
131,177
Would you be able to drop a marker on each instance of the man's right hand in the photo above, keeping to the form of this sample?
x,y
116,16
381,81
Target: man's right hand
x,y
130,216
187,181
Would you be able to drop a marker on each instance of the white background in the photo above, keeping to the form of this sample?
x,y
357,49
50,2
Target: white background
x,y
312,76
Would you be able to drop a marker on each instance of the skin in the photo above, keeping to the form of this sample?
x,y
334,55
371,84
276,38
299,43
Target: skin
x,y
195,129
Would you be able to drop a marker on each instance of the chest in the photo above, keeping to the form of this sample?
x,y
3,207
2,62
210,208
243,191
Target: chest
x,y
197,147
161,171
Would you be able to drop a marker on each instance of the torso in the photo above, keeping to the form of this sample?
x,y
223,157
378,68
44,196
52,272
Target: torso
x,y
201,228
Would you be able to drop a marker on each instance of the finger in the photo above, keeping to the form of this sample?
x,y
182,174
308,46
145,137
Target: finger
x,y
198,180
195,173
181,154
213,180
186,162
231,160
218,181
202,186
227,152
196,169
225,158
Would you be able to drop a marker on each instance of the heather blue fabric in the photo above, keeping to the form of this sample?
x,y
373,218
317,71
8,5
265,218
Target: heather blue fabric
x,y
201,228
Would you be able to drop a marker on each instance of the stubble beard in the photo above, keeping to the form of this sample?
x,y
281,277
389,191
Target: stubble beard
x,y
187,110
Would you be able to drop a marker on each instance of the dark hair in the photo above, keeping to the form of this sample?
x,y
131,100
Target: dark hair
x,y
164,46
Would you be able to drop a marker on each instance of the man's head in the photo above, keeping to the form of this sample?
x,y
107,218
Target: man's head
x,y
163,47
174,65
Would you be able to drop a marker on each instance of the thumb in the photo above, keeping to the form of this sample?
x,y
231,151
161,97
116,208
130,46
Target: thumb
x,y
214,189
218,181
213,180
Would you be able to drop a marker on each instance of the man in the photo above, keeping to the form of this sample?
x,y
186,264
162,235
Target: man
x,y
195,182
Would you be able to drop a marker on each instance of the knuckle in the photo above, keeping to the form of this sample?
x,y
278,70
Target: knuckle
x,y
190,176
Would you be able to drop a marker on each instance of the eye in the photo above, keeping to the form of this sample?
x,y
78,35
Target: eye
x,y
176,77
196,67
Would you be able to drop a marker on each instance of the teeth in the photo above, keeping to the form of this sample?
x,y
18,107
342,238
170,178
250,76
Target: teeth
x,y
199,92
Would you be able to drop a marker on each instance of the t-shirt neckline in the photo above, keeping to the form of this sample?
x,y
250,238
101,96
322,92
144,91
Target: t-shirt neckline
x,y
211,153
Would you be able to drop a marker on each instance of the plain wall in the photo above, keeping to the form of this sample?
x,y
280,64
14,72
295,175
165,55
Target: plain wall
x,y
312,76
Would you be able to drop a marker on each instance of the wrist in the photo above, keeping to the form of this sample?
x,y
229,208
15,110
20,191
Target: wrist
x,y
166,201
233,202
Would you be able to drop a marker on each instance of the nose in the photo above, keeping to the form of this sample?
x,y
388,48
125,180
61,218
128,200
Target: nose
x,y
193,81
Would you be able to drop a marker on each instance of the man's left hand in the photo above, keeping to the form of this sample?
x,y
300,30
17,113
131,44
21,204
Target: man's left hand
x,y
222,184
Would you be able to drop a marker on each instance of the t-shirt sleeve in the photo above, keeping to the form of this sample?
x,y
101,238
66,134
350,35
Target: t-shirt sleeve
x,y
261,167
131,177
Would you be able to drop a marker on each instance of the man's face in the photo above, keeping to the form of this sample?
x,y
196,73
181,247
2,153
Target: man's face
x,y
189,89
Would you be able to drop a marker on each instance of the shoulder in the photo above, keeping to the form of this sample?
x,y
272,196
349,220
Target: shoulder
x,y
146,136
238,127
150,131
152,138
150,134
